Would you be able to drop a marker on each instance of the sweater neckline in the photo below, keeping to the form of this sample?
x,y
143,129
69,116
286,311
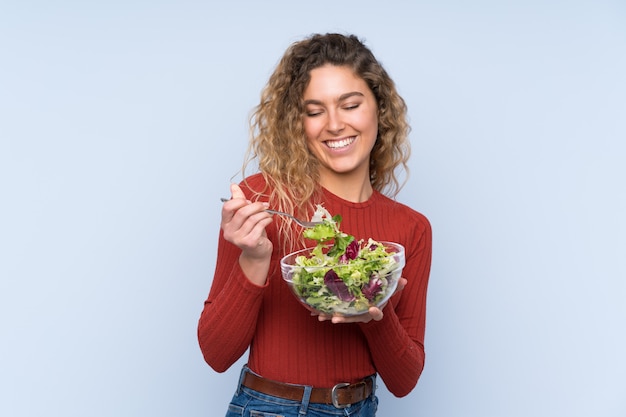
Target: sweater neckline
x,y
360,205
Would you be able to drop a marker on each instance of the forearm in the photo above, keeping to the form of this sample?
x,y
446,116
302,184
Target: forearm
x,y
255,270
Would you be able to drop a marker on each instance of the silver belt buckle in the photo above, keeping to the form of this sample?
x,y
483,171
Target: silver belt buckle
x,y
333,395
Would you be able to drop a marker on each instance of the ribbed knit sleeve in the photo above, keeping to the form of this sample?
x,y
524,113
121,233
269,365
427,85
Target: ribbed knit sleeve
x,y
228,320
397,341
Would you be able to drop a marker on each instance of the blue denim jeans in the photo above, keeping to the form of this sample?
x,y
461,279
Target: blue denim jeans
x,y
249,403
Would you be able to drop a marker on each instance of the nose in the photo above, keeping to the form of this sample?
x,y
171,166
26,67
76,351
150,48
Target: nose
x,y
334,122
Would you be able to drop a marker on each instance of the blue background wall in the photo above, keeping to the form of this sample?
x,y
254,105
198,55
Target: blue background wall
x,y
123,122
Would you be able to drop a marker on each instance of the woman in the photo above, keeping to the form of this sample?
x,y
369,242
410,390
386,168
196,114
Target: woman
x,y
330,129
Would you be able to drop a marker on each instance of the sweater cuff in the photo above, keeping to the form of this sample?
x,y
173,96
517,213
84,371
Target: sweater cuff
x,y
388,330
241,290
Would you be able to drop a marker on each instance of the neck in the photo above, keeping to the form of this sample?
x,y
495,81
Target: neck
x,y
356,189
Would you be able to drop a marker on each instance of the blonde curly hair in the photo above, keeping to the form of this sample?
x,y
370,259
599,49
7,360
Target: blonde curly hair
x,y
278,142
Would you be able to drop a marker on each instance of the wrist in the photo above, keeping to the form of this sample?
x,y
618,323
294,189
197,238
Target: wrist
x,y
255,269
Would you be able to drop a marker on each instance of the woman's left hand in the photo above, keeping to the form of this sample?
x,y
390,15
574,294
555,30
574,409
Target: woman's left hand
x,y
374,313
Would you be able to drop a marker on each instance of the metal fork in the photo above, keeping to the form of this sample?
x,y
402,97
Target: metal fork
x,y
302,223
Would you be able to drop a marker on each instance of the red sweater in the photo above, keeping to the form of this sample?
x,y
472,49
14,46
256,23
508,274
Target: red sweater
x,y
288,344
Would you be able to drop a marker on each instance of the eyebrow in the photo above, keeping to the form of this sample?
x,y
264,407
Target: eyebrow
x,y
341,98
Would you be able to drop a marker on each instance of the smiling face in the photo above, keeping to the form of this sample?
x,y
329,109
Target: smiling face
x,y
340,123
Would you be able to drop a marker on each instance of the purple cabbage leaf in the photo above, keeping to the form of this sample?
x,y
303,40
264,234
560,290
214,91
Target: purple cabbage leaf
x,y
351,253
337,286
372,288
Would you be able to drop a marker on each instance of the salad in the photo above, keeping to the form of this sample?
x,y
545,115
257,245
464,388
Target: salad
x,y
342,274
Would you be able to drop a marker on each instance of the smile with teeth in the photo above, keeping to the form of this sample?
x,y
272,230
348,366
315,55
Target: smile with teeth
x,y
341,143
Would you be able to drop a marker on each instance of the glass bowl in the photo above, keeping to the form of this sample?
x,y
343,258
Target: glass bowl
x,y
347,288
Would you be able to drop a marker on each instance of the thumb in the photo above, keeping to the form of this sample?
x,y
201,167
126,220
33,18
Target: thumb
x,y
376,313
236,192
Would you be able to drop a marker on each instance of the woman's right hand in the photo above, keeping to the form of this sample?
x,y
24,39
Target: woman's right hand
x,y
243,224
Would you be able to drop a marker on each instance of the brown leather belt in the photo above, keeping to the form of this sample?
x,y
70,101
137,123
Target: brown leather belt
x,y
341,395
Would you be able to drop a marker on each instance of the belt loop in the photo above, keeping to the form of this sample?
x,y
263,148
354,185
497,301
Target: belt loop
x,y
242,375
373,377
306,397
